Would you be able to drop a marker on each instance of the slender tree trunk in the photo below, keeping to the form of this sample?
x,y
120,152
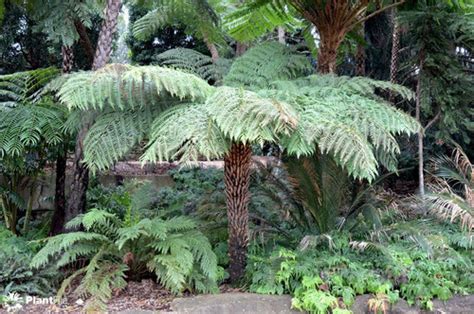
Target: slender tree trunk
x,y
57,222
77,198
29,207
212,49
84,40
421,176
281,35
395,52
237,180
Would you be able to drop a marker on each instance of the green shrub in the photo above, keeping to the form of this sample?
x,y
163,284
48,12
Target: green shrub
x,y
16,275
335,269
115,248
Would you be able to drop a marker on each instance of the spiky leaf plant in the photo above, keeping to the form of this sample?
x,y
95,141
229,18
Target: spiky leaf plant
x,y
452,189
178,254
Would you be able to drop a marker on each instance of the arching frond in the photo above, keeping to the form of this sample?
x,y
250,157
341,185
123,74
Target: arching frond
x,y
343,119
122,87
26,126
115,133
198,15
244,116
266,63
254,19
230,114
192,61
184,133
24,87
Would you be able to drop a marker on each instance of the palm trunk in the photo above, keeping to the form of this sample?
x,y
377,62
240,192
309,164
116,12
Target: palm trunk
x,y
237,180
77,199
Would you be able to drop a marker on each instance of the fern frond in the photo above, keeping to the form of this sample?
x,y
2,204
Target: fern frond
x,y
266,63
450,207
254,19
192,61
120,86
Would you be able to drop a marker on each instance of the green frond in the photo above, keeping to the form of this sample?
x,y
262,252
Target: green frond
x,y
246,117
185,133
115,133
194,62
24,87
26,126
254,19
351,124
198,16
120,86
266,63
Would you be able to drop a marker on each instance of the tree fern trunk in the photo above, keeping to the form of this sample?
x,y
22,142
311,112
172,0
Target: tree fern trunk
x,y
57,222
77,198
237,180
327,55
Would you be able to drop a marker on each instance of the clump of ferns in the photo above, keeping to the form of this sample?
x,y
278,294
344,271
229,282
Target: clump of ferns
x,y
114,249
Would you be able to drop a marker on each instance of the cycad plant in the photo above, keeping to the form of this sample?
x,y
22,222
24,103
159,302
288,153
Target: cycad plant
x,y
451,194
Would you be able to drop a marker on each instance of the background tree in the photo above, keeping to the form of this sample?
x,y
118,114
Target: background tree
x,y
438,33
77,198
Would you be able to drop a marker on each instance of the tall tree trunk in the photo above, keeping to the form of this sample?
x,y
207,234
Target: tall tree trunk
x,y
77,198
395,51
85,41
57,222
421,176
237,164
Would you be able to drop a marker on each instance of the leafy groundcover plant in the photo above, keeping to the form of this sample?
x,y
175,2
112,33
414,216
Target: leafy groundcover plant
x,y
114,249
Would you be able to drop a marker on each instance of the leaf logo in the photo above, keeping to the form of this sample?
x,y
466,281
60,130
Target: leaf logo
x,y
13,302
